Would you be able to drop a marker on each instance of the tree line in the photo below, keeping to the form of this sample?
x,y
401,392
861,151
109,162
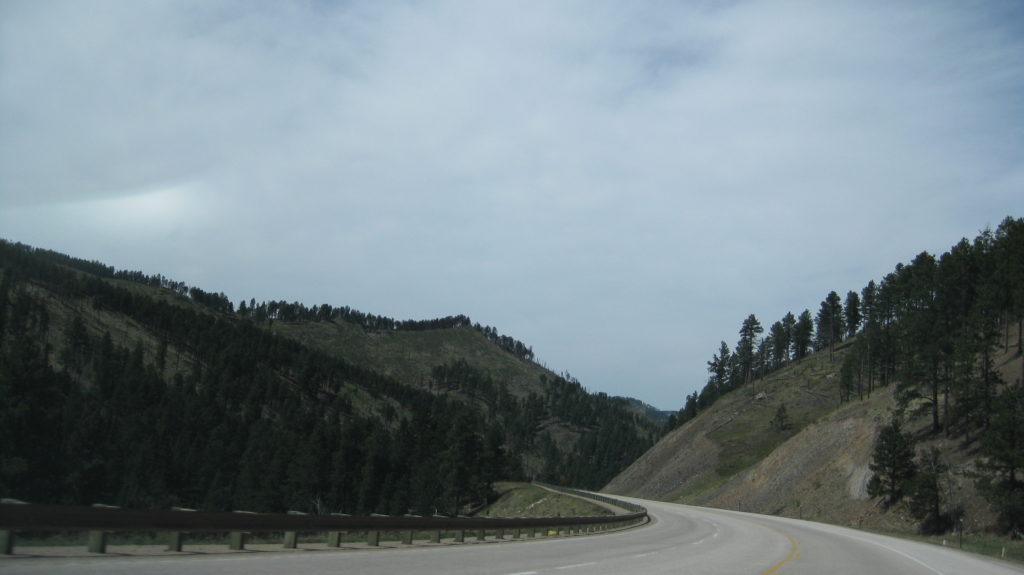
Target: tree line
x,y
295,311
931,328
277,310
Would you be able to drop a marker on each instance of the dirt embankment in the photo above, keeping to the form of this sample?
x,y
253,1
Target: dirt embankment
x,y
731,456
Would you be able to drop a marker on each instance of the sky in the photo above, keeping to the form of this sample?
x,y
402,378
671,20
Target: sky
x,y
616,184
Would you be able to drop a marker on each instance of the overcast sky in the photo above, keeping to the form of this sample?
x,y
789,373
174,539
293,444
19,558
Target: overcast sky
x,y
617,185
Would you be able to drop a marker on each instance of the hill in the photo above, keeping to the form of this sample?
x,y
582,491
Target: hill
x,y
814,462
140,391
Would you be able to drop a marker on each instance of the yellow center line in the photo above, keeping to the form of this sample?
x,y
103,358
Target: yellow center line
x,y
794,546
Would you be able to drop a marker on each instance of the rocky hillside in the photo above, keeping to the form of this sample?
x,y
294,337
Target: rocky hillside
x,y
731,456
930,359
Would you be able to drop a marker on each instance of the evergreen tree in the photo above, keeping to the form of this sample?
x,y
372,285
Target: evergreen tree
x,y
853,316
689,408
868,303
1002,470
788,327
1009,275
779,338
919,323
848,374
718,370
892,462
780,420
829,324
926,494
747,346
802,332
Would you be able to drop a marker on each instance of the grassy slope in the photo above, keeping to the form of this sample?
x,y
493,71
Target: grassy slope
x,y
409,356
123,330
732,435
526,500
731,457
406,356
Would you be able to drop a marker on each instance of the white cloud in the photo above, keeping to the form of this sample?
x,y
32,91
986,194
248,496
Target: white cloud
x,y
609,183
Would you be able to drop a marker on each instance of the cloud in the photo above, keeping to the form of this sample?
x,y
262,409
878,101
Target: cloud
x,y
616,185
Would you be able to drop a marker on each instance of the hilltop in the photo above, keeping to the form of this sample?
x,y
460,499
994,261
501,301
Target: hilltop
x,y
733,451
138,390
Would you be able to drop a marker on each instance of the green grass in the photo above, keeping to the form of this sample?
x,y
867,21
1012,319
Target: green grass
x,y
707,483
409,356
749,437
526,500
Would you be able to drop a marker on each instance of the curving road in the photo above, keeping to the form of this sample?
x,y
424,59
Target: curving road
x,y
680,539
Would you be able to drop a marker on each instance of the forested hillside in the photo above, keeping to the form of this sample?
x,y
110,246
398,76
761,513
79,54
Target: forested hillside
x,y
905,396
136,390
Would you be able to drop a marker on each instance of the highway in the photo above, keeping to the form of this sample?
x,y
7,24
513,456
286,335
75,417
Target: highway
x,y
679,540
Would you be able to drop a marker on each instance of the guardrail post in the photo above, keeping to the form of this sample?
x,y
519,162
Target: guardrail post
x,y
174,541
435,537
532,533
98,539
97,542
334,537
460,536
407,537
517,534
500,534
291,538
236,539
6,542
174,538
373,538
481,534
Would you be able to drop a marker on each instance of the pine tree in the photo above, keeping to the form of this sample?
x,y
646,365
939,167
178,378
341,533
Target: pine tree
x,y
718,370
853,317
781,419
892,463
779,338
926,493
848,373
829,323
872,331
1002,471
747,346
919,324
802,332
1009,275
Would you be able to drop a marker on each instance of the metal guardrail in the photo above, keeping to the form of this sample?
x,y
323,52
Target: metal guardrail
x,y
100,520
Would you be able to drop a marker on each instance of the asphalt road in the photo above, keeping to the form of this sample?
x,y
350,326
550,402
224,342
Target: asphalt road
x,y
688,540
